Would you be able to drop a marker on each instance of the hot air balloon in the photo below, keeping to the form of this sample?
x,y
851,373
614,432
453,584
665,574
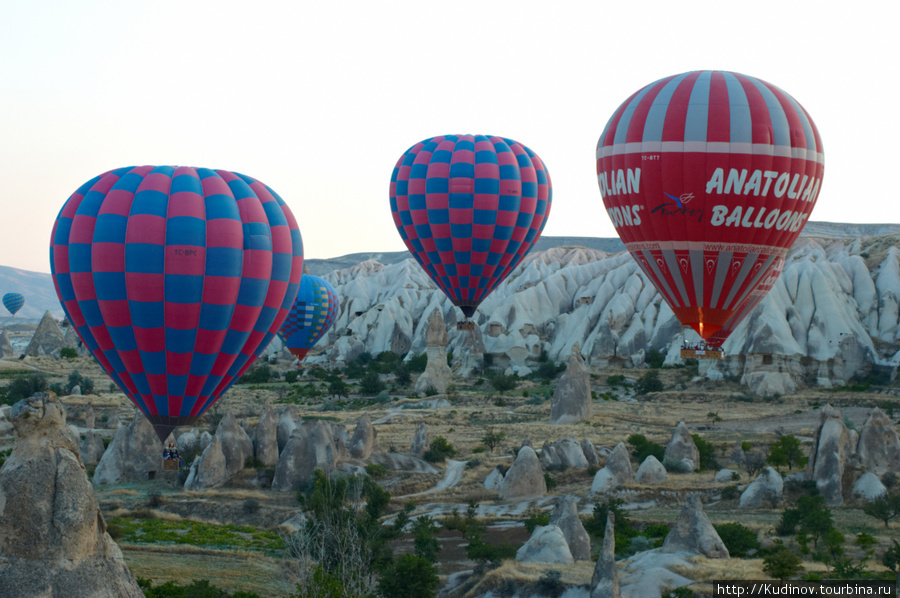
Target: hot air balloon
x,y
469,207
709,177
175,279
13,302
311,315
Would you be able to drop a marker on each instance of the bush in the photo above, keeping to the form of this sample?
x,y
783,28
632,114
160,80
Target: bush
x,y
654,359
85,384
258,375
376,470
550,584
503,383
417,363
707,453
536,518
439,450
22,387
615,380
291,376
643,448
739,539
548,479
68,353
676,465
371,383
648,383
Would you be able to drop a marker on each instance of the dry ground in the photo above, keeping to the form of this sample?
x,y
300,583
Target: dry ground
x,y
720,412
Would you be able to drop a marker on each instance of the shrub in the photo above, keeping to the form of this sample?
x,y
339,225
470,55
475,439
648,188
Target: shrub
x,y
739,539
371,383
417,363
258,375
615,380
707,453
643,448
654,359
676,465
68,353
291,376
548,479
439,450
536,518
250,506
376,470
550,584
782,564
648,383
503,383
22,387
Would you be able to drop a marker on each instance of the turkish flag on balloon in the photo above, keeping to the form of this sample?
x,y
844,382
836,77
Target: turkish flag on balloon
x,y
709,177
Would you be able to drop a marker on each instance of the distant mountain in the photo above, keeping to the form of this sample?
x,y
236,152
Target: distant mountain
x,y
40,296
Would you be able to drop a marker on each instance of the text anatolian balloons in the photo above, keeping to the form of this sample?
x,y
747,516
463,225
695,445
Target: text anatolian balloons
x,y
175,279
469,207
709,177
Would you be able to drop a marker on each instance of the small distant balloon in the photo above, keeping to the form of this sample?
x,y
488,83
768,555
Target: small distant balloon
x,y
175,279
310,317
709,177
469,207
13,302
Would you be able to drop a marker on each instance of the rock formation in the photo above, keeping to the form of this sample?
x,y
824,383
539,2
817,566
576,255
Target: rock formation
x,y
651,472
565,453
420,442
53,539
47,339
134,455
694,533
92,448
6,349
829,457
878,448
616,472
365,439
310,447
89,418
437,373
571,401
590,453
765,489
286,427
265,438
605,580
188,444
869,487
210,469
494,479
547,544
525,479
565,517
236,444
681,448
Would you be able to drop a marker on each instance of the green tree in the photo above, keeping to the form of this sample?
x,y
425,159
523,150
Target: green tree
x,y
891,560
68,353
371,383
409,576
338,388
739,539
425,542
22,387
648,383
439,450
885,508
643,448
75,379
786,452
403,375
503,383
782,564
707,453
492,439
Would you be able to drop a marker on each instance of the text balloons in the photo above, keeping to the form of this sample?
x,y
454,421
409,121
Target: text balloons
x,y
175,279
469,207
709,177
13,302
310,316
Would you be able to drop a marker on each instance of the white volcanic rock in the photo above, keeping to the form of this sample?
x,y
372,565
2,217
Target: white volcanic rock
x,y
694,533
767,487
818,321
135,454
437,373
47,338
681,448
265,437
651,471
525,479
565,517
605,579
547,544
365,438
420,442
572,397
492,482
869,487
829,457
6,349
878,447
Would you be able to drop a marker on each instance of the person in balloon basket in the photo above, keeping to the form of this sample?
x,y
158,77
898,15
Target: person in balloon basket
x,y
170,453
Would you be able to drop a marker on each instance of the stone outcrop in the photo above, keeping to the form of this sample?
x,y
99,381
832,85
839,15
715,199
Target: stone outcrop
x,y
134,455
525,479
265,438
53,539
571,401
188,444
365,439
651,472
829,458
565,517
694,533
493,480
437,373
89,417
766,490
236,444
310,447
6,349
681,448
420,442
286,426
210,469
878,448
405,463
869,487
605,580
616,472
92,448
565,453
590,453
47,339
547,544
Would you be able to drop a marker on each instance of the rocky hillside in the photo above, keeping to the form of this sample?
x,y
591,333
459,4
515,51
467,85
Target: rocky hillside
x,y
832,315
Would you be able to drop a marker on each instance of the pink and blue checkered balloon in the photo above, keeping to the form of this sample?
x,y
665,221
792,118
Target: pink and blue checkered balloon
x,y
469,207
175,279
13,302
311,315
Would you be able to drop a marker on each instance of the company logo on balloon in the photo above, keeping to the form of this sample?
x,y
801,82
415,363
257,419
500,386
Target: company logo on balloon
x,y
760,183
620,182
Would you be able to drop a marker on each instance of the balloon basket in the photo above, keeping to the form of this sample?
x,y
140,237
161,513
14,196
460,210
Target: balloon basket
x,y
465,325
702,354
170,465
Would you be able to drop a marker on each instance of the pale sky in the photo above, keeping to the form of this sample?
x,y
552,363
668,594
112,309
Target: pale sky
x,y
319,99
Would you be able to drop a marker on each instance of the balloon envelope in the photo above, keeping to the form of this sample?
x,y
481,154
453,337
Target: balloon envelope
x,y
709,177
13,302
469,207
310,316
175,279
